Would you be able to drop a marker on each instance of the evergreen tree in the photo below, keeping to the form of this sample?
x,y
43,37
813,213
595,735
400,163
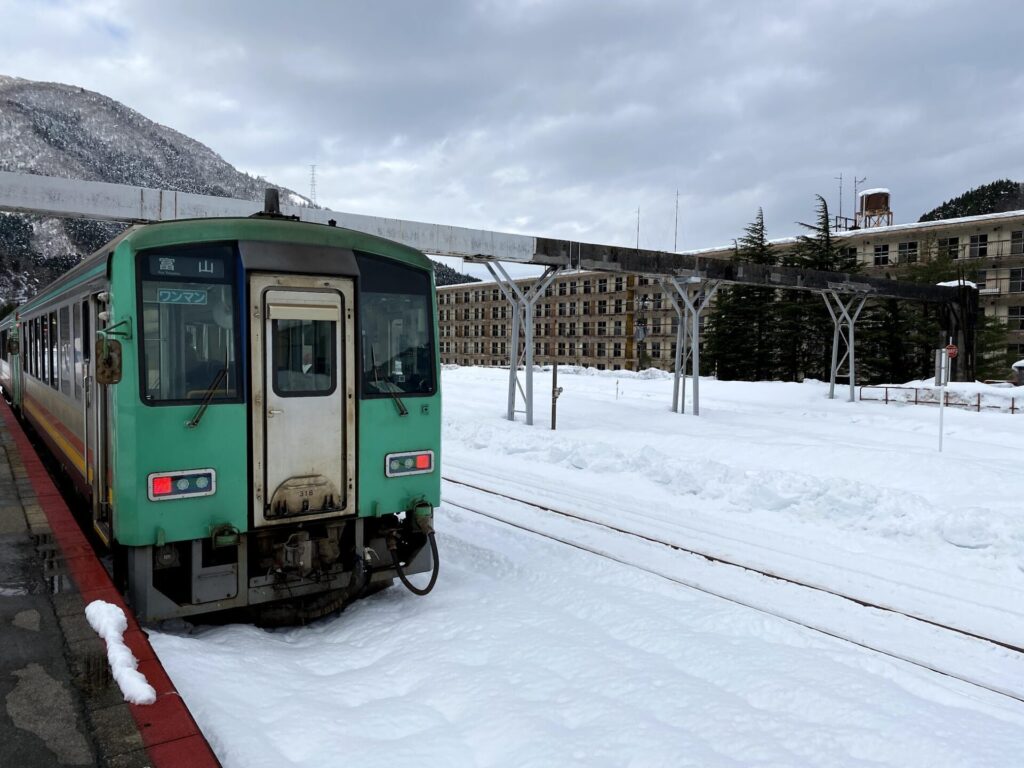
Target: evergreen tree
x,y
740,335
805,328
1002,195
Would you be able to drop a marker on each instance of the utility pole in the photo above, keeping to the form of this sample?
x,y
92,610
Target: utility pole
x,y
638,229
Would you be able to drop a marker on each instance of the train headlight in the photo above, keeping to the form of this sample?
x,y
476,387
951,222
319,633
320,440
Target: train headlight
x,y
409,463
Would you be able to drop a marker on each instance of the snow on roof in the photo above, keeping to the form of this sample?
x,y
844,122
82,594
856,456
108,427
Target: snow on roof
x,y
875,191
957,283
1018,364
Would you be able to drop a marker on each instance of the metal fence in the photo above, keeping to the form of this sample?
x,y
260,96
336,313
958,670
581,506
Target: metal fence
x,y
931,396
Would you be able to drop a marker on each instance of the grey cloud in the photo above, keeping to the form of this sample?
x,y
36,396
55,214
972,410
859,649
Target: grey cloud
x,y
564,117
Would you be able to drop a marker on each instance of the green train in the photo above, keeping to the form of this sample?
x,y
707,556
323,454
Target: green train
x,y
249,406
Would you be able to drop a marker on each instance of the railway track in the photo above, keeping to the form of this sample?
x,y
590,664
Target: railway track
x,y
997,667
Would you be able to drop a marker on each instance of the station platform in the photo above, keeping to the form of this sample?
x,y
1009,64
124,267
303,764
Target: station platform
x,y
59,705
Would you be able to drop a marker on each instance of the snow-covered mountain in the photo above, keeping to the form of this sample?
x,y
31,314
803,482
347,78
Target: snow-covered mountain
x,y
63,130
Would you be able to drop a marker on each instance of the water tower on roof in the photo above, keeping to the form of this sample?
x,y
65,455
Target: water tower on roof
x,y
873,208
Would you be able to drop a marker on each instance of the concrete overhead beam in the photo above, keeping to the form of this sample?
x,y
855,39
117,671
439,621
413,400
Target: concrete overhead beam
x,y
611,258
73,198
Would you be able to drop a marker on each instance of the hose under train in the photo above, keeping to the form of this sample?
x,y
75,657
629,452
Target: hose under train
x,y
433,573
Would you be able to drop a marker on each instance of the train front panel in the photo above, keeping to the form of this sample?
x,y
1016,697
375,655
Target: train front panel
x,y
275,422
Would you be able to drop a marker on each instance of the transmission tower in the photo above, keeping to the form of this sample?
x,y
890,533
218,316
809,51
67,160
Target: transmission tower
x,y
312,183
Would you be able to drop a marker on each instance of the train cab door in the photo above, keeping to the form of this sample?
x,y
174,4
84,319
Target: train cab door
x,y
95,408
303,398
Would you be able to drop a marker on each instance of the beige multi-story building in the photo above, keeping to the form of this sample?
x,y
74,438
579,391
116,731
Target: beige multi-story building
x,y
589,318
583,318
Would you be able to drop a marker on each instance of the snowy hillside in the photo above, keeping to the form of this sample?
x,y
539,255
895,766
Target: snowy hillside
x,y
587,650
62,130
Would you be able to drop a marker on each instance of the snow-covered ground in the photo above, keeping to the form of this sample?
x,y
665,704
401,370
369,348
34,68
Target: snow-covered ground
x,y
529,652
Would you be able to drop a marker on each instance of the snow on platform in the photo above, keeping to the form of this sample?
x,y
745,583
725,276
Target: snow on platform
x,y
529,652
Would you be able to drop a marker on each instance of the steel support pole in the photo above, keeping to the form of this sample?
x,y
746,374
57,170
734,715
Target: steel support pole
x,y
677,371
705,292
843,319
522,301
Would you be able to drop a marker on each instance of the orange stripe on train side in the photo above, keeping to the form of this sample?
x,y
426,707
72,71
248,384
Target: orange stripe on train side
x,y
54,429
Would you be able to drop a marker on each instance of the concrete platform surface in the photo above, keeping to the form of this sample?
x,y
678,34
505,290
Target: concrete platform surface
x,y
60,706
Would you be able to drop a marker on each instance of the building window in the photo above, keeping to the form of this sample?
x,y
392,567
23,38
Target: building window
x,y
908,252
881,255
1017,243
979,246
1016,280
1016,319
602,285
949,247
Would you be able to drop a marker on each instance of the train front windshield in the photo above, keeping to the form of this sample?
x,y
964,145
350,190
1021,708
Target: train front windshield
x,y
397,330
189,327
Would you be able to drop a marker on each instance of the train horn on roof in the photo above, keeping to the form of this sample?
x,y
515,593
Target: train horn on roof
x,y
272,202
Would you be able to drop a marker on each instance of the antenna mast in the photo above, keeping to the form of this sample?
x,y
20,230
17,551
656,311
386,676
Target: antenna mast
x,y
856,183
839,178
675,242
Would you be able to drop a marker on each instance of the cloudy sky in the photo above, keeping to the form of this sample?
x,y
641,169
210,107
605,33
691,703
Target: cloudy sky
x,y
562,118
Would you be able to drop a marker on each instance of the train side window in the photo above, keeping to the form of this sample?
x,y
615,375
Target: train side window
x,y
86,333
37,347
64,350
41,326
76,351
52,362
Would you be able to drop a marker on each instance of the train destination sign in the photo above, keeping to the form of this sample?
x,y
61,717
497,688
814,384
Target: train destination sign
x,y
186,266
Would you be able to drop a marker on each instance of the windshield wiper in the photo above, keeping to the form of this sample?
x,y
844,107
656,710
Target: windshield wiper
x,y
207,397
395,389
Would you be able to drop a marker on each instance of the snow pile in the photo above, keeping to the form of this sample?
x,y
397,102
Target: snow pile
x,y
109,622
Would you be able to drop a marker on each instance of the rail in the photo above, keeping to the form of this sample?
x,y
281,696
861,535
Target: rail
x,y
931,396
988,647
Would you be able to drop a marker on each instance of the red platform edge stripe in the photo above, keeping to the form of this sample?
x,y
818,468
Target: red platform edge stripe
x,y
169,732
